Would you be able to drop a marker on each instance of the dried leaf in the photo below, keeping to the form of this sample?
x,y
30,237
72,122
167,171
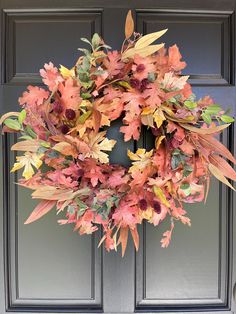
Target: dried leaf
x,y
66,149
123,239
213,144
7,115
205,131
28,145
135,236
40,210
219,175
223,166
146,40
129,25
142,52
161,196
53,193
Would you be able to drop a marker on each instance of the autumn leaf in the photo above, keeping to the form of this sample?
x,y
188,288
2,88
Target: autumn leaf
x,y
40,210
129,25
27,161
65,72
204,131
148,39
51,76
123,239
219,175
141,159
98,143
142,52
27,145
34,96
165,241
66,149
132,130
53,193
223,166
7,115
214,145
135,236
161,196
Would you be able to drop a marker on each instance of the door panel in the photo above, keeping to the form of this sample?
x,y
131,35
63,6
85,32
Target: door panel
x,y
45,267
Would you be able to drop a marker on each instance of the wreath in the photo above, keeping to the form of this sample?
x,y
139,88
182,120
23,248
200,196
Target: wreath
x,y
62,134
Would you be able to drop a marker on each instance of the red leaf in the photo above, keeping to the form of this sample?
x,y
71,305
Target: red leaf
x,y
40,210
123,239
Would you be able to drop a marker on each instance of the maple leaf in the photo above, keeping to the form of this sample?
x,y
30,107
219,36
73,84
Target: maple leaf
x,y
51,76
27,161
146,65
113,63
152,95
70,94
98,143
174,82
174,59
132,130
165,241
141,159
34,96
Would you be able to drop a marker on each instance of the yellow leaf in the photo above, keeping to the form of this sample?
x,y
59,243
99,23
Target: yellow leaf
x,y
146,40
219,175
159,117
146,214
27,161
161,196
97,143
65,72
28,145
205,130
129,25
159,140
141,159
142,52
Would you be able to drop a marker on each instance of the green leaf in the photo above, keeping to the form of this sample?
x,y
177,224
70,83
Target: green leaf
x,y
124,84
85,51
226,119
96,40
86,40
45,144
206,117
22,116
25,137
71,209
190,104
186,188
213,109
84,117
86,95
30,132
187,170
151,76
12,124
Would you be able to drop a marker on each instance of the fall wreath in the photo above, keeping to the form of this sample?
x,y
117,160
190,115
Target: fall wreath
x,y
62,132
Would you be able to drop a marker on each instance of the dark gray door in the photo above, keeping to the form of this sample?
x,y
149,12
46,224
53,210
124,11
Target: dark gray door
x,y
48,268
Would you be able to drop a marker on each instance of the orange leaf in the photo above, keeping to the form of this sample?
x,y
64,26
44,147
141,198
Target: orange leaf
x,y
219,175
129,25
40,210
204,131
123,239
53,193
214,145
66,149
96,120
223,166
135,236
